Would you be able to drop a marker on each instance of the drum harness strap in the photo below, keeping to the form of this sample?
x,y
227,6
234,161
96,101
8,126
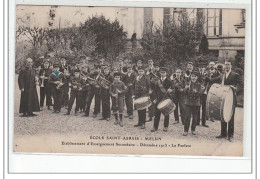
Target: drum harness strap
x,y
162,89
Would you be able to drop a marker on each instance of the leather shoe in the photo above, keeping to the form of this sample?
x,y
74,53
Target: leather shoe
x,y
205,125
149,120
185,133
193,133
165,129
67,113
176,122
137,125
230,139
220,137
24,115
31,114
153,130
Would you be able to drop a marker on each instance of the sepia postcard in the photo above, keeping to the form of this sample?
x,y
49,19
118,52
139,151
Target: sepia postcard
x,y
129,80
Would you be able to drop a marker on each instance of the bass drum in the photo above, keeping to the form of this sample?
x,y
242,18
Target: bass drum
x,y
142,103
220,103
166,107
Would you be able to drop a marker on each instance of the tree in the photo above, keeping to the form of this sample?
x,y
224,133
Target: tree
x,y
204,45
110,36
173,41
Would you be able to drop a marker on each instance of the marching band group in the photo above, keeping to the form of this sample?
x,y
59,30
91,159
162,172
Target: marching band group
x,y
128,86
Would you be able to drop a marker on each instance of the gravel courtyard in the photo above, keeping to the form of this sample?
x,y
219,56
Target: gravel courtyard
x,y
44,132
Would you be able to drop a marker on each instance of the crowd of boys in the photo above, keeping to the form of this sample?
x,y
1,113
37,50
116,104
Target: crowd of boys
x,y
62,85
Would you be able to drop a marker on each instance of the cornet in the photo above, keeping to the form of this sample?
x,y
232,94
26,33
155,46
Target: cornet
x,y
60,84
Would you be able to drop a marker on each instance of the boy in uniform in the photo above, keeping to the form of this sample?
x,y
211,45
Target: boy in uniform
x,y
141,88
75,93
192,91
86,87
64,68
56,80
117,90
105,95
162,87
45,89
128,80
94,91
178,83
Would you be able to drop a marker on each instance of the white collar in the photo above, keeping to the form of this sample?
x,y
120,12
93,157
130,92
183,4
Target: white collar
x,y
227,73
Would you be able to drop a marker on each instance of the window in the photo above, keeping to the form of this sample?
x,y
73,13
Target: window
x,y
241,53
166,15
148,19
199,22
220,22
214,22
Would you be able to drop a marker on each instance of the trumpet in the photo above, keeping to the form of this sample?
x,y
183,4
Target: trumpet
x,y
103,82
83,76
60,84
77,84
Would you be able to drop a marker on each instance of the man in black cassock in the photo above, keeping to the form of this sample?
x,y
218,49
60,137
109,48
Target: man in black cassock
x,y
29,102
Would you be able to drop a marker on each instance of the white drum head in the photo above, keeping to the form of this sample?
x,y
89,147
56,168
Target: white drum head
x,y
141,100
228,106
163,103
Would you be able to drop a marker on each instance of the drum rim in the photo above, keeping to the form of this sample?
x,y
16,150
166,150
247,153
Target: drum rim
x,y
163,101
223,102
142,97
171,111
149,102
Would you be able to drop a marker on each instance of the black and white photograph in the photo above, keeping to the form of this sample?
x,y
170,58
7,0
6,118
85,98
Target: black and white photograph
x,y
129,80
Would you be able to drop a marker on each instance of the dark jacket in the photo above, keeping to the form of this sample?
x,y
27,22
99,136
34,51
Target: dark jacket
x,y
46,73
109,78
129,82
178,85
210,80
159,93
141,86
53,78
235,80
78,82
193,94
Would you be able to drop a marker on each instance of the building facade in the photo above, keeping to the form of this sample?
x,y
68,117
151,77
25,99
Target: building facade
x,y
224,28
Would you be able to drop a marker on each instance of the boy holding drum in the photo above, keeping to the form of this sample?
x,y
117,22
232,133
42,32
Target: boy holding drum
x,y
162,89
141,89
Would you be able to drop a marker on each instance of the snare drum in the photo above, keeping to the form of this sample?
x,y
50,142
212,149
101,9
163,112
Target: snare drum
x,y
166,107
142,103
220,103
